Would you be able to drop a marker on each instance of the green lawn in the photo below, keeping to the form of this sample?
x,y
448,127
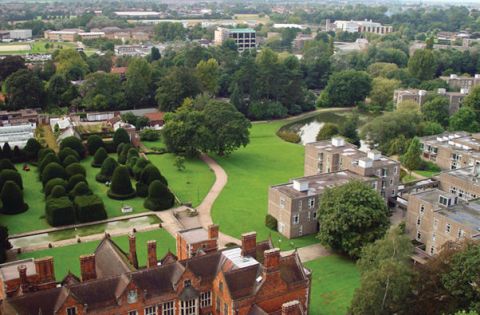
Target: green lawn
x,y
429,169
37,47
67,258
334,280
190,185
153,144
267,160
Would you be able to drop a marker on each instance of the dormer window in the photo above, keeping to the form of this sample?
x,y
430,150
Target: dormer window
x,y
72,311
187,283
132,296
444,201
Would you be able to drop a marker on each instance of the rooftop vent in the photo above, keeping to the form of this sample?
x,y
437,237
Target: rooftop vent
x,y
338,141
374,155
300,185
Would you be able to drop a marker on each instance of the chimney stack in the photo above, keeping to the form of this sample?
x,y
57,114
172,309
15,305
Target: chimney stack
x,y
212,231
22,274
152,254
132,256
87,267
249,244
44,268
291,308
271,260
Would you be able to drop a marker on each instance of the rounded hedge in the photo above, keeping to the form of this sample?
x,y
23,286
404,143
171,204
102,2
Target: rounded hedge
x,y
62,155
12,175
74,180
43,152
73,143
142,189
52,183
119,148
151,173
106,172
53,170
18,155
58,191
80,189
70,159
6,164
121,187
74,169
94,142
47,159
12,198
159,197
59,211
122,157
139,166
32,148
7,151
120,136
89,208
100,156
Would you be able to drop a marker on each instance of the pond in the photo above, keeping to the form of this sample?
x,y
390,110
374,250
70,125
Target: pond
x,y
45,238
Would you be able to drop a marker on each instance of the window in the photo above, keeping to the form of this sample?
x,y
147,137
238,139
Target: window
x,y
205,299
374,185
220,286
448,227
311,203
432,250
314,214
296,219
434,237
422,209
132,312
461,233
419,221
217,306
395,170
188,307
300,204
132,296
187,283
282,203
225,308
384,172
419,236
444,201
151,310
168,308
72,311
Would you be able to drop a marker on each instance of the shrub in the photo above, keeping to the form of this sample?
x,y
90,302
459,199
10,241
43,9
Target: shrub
x,y
6,165
121,187
57,192
139,166
69,160
149,135
59,211
122,157
8,174
119,148
106,172
32,148
142,189
74,180
73,143
120,136
52,183
80,189
67,151
75,168
151,173
6,151
327,131
12,198
131,163
43,152
89,208
267,110
94,143
18,155
49,158
53,170
289,136
271,222
159,197
100,156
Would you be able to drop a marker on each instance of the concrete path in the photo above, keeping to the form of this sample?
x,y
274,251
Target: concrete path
x,y
310,252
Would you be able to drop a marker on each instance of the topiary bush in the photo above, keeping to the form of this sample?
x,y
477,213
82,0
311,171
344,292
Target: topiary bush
x,y
159,197
53,170
6,151
43,152
151,173
94,143
74,180
142,189
75,144
122,157
74,169
119,148
12,198
59,211
32,148
6,164
120,136
47,159
100,156
52,183
139,166
67,151
121,187
271,222
18,155
80,189
69,160
57,192
89,208
106,172
8,174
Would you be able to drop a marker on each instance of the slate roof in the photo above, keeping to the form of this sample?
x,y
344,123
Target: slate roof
x,y
111,260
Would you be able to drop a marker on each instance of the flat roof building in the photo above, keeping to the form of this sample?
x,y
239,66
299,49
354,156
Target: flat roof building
x,y
366,26
244,38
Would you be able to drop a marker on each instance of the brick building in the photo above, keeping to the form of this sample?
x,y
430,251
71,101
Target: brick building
x,y
461,82
252,279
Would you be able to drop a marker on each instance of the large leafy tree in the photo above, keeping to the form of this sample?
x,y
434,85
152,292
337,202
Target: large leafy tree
x,y
24,89
208,73
60,91
472,100
411,159
102,91
382,91
464,119
168,31
346,88
175,86
139,82
351,216
71,64
436,110
9,65
386,275
422,64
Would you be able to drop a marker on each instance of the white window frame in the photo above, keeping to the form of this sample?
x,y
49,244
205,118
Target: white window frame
x,y
133,312
419,236
419,221
448,228
422,209
189,307
206,299
69,309
314,214
150,310
296,219
282,202
168,308
311,203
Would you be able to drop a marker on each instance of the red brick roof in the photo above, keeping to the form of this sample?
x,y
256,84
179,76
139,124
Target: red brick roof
x,y
119,70
157,116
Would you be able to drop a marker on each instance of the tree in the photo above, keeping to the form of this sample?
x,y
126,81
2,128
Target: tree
x,y
327,131
346,89
436,110
464,119
159,197
12,198
138,84
60,91
94,143
169,31
382,91
108,167
174,87
7,151
32,148
9,65
4,243
155,54
349,129
100,156
121,187
24,89
351,216
73,143
386,275
71,64
102,91
422,64
89,208
382,69
120,136
472,100
208,73
411,159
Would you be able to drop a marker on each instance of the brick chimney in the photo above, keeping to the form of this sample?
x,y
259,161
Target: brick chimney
x,y
271,260
22,275
152,254
249,244
87,267
132,247
44,268
212,231
291,308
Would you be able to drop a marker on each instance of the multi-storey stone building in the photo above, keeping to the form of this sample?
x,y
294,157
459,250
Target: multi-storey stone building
x,y
251,279
455,99
451,150
461,82
244,38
